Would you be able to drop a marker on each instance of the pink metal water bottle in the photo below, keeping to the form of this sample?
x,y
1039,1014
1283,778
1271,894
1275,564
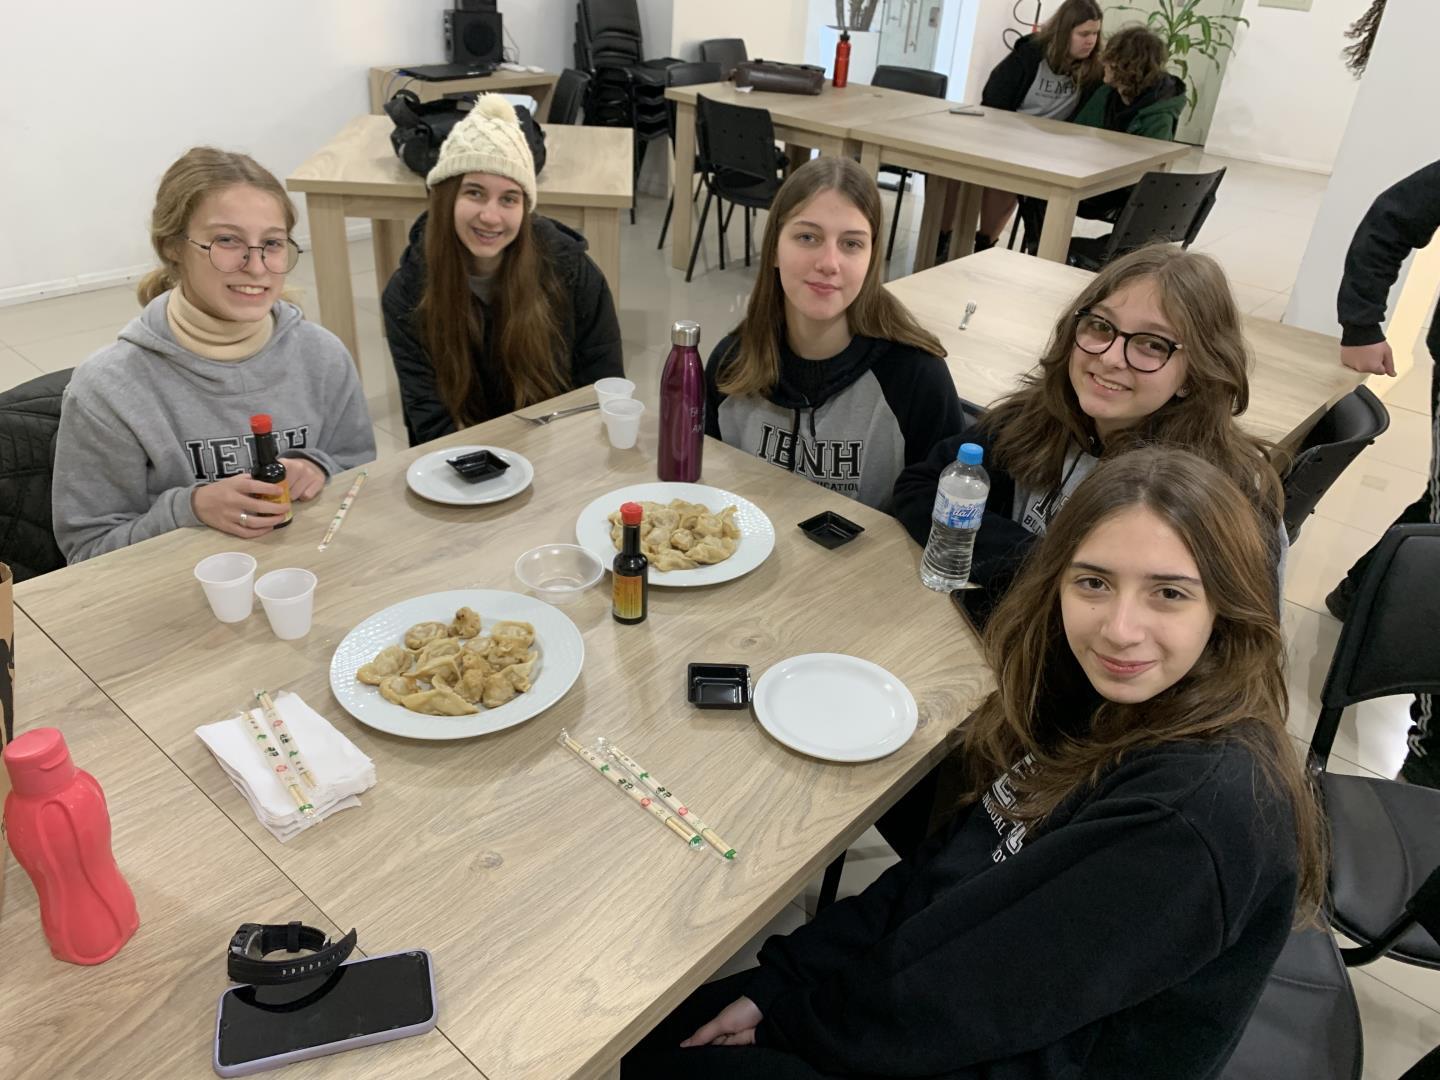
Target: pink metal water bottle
x,y
682,406
59,829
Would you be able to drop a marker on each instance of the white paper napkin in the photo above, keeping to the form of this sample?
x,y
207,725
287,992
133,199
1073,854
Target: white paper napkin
x,y
338,766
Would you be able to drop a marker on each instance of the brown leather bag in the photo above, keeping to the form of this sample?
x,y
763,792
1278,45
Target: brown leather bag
x,y
778,78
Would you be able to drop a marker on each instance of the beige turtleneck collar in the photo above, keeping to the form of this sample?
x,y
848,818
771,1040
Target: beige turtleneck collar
x,y
212,338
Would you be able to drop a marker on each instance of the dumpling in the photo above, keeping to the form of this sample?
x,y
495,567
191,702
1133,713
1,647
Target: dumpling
x,y
682,539
503,633
498,690
472,684
475,660
466,624
397,688
391,660
421,634
712,549
445,646
447,666
439,702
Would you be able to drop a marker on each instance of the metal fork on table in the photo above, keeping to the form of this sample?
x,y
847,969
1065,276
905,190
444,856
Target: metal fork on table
x,y
541,421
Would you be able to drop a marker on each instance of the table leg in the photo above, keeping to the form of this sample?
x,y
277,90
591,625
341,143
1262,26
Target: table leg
x,y
544,96
1059,224
681,217
936,188
796,156
966,217
388,237
332,269
870,159
601,226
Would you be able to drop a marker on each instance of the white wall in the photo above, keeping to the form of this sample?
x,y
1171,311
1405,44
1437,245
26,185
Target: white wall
x,y
141,83
1286,93
988,47
772,29
1390,134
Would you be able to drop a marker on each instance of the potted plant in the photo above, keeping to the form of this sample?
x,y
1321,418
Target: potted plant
x,y
864,42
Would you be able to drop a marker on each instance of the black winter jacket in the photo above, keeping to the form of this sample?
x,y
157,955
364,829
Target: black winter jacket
x,y
1010,81
1402,220
29,418
590,329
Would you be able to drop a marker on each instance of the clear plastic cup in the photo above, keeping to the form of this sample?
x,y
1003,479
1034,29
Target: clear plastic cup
x,y
289,599
622,421
558,573
227,579
613,389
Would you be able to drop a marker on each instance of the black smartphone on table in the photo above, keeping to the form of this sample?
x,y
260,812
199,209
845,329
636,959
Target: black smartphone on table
x,y
360,1003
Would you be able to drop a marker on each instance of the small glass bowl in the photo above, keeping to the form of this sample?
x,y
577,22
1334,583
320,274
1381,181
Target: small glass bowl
x,y
558,573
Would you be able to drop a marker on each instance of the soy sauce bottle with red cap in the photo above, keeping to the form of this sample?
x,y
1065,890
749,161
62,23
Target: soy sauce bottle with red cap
x,y
268,467
630,572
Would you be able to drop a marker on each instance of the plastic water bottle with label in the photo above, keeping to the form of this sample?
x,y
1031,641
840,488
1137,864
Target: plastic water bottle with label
x,y
959,506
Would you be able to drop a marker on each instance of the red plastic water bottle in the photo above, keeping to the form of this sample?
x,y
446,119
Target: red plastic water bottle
x,y
842,61
59,830
682,406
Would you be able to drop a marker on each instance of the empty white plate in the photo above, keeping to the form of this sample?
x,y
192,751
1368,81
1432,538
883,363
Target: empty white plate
x,y
835,707
431,478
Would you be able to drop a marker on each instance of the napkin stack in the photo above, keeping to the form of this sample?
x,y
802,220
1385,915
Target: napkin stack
x,y
338,766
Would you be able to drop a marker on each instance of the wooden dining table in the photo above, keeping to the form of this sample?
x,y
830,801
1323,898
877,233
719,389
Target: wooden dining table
x,y
1295,378
804,122
1059,162
564,921
585,183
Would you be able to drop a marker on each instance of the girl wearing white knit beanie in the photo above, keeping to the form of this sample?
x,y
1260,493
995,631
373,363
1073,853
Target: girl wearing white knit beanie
x,y
494,307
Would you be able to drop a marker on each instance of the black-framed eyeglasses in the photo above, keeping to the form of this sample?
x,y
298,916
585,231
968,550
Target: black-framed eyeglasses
x,y
230,253
1143,350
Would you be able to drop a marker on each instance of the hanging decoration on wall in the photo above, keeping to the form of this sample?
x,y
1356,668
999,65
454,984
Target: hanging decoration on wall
x,y
1362,31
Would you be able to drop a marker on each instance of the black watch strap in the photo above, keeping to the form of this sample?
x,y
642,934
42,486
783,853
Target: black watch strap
x,y
246,964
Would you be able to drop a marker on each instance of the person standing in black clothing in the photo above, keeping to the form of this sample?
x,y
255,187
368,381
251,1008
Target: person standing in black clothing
x,y
1403,219
493,307
1136,841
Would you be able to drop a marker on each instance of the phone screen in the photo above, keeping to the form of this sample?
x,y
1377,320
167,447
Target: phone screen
x,y
366,997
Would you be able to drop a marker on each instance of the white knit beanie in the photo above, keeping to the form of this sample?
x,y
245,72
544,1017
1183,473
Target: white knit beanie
x,y
488,140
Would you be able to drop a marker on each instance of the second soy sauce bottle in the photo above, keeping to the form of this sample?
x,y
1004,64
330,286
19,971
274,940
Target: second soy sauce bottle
x,y
630,572
268,467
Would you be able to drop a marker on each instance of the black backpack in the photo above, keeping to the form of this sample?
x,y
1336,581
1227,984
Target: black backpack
x,y
421,128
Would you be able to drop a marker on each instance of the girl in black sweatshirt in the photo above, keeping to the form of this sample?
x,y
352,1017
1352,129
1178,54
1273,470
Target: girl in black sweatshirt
x,y
829,376
1126,864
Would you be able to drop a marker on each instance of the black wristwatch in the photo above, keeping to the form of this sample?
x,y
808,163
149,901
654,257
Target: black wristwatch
x,y
246,964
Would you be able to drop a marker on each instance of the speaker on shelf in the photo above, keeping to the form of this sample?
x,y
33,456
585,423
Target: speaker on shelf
x,y
474,37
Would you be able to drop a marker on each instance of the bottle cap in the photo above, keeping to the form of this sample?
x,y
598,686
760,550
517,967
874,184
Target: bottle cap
x,y
971,453
631,513
260,424
39,762
685,332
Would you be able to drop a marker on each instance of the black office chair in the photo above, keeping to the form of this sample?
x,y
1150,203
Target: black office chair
x,y
29,419
727,52
694,74
1383,837
737,156
569,97
1350,425
1162,206
912,81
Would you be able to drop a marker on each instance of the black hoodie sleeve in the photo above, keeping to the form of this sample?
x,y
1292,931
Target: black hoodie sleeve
x,y
596,352
426,417
1010,80
1401,220
713,396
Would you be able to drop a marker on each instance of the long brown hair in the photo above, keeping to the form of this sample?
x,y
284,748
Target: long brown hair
x,y
1033,429
527,343
200,171
1136,57
1236,690
753,365
1053,41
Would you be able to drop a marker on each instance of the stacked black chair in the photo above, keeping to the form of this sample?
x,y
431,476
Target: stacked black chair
x,y
1351,424
727,52
625,90
29,419
569,97
695,74
912,81
740,166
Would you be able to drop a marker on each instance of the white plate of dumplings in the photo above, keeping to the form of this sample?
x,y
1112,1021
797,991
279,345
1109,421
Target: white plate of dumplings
x,y
756,541
557,640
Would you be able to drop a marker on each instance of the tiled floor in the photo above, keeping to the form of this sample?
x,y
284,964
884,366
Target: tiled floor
x,y
1258,232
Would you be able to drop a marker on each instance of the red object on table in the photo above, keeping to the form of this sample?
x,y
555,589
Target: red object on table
x,y
842,61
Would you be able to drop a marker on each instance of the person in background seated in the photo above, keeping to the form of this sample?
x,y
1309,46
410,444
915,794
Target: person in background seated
x,y
1403,219
493,307
1151,352
828,376
155,429
1136,840
1044,75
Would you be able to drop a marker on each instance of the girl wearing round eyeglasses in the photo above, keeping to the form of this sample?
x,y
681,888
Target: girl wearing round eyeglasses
x,y
155,429
1151,352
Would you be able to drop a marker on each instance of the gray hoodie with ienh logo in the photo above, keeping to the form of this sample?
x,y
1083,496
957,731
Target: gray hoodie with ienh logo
x,y
145,421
